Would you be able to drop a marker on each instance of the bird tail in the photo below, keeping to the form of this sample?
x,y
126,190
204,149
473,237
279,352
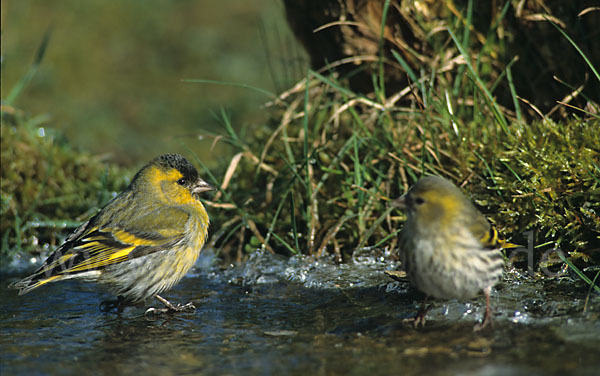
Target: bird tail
x,y
32,282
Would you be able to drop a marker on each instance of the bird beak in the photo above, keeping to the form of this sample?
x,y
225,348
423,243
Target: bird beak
x,y
400,202
201,186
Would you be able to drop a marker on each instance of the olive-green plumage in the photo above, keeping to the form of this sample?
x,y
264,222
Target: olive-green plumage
x,y
448,248
142,242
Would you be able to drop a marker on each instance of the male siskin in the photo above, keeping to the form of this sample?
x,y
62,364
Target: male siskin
x,y
141,243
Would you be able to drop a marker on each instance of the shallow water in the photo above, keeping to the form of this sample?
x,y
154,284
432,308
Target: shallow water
x,y
275,316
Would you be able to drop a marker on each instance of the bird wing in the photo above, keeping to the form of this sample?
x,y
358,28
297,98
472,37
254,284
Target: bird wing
x,y
488,235
93,247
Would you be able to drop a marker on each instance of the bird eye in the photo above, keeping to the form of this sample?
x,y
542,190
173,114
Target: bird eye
x,y
181,181
419,201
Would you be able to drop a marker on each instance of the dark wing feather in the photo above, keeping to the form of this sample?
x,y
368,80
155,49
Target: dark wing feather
x,y
92,247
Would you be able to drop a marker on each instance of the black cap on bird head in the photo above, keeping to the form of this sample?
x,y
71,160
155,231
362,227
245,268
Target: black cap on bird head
x,y
190,177
189,174
178,162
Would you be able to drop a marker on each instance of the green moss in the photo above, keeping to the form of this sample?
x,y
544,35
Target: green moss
x,y
547,179
542,176
47,186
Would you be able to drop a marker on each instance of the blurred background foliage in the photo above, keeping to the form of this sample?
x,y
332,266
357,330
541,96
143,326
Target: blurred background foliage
x,y
111,79
90,86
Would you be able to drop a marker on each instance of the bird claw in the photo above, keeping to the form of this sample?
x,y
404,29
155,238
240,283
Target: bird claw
x,y
420,318
154,312
169,308
487,321
188,307
417,321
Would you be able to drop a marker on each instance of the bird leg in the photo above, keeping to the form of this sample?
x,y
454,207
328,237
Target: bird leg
x,y
487,317
419,319
169,307
178,308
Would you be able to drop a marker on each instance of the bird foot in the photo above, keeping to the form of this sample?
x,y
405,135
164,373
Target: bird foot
x,y
487,321
416,321
420,318
111,305
169,308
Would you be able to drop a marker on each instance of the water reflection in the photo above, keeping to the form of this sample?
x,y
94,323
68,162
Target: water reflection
x,y
292,316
